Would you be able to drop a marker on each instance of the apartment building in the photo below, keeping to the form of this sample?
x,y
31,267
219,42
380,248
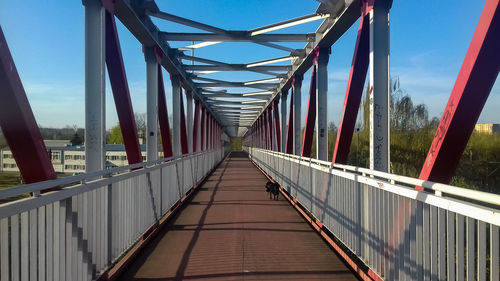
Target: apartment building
x,y
70,159
487,128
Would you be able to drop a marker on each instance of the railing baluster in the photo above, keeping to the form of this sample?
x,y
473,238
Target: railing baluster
x,y
33,244
494,253
481,251
14,248
4,249
450,218
460,247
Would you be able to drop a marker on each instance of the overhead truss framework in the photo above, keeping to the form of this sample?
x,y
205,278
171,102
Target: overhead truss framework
x,y
230,108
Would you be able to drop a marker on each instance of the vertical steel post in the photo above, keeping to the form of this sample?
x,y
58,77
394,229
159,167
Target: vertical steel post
x,y
208,130
184,138
95,97
297,105
189,111
163,116
196,127
176,108
289,135
203,129
198,131
379,86
151,104
270,126
322,104
284,94
277,128
265,127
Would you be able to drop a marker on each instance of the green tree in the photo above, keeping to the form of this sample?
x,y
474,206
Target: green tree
x,y
115,135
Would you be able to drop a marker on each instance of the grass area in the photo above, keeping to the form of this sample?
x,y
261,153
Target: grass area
x,y
10,179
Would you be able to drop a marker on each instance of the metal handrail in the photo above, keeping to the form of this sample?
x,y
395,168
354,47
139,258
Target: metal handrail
x,y
39,186
463,193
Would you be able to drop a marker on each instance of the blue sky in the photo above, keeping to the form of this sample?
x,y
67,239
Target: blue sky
x,y
429,40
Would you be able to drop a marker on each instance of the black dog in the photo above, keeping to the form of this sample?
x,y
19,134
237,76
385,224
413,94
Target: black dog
x,y
274,189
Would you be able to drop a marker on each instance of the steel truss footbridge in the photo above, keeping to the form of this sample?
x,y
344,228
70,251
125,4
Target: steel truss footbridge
x,y
195,210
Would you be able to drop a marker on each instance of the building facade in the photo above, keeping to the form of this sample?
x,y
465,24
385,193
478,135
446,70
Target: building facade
x,y
487,128
68,159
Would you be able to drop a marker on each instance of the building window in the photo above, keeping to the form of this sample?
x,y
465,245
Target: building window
x,y
56,155
68,157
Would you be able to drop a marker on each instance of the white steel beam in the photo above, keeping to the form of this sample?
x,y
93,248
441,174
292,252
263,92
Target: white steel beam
x,y
297,122
189,119
379,89
236,67
184,21
151,104
235,36
176,108
264,86
270,61
95,102
288,23
322,105
284,120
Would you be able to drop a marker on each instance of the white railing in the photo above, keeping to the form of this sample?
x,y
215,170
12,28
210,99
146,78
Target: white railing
x,y
78,232
441,233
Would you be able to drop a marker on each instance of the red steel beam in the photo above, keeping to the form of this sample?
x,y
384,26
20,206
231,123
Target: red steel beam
x,y
121,93
277,127
18,123
289,134
307,139
184,142
197,107
472,88
355,84
166,138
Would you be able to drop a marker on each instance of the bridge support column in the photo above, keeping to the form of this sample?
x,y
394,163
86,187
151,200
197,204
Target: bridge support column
x,y
196,127
184,138
277,129
379,86
289,134
283,120
270,125
297,105
95,97
189,107
163,116
176,108
151,104
322,104
203,129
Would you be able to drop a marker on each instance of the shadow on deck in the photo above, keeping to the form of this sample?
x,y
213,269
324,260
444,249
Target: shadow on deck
x,y
230,230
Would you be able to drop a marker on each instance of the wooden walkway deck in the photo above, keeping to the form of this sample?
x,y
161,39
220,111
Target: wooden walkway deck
x,y
230,230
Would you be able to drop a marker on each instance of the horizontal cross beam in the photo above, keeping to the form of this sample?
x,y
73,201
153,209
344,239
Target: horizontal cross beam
x,y
237,67
236,36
